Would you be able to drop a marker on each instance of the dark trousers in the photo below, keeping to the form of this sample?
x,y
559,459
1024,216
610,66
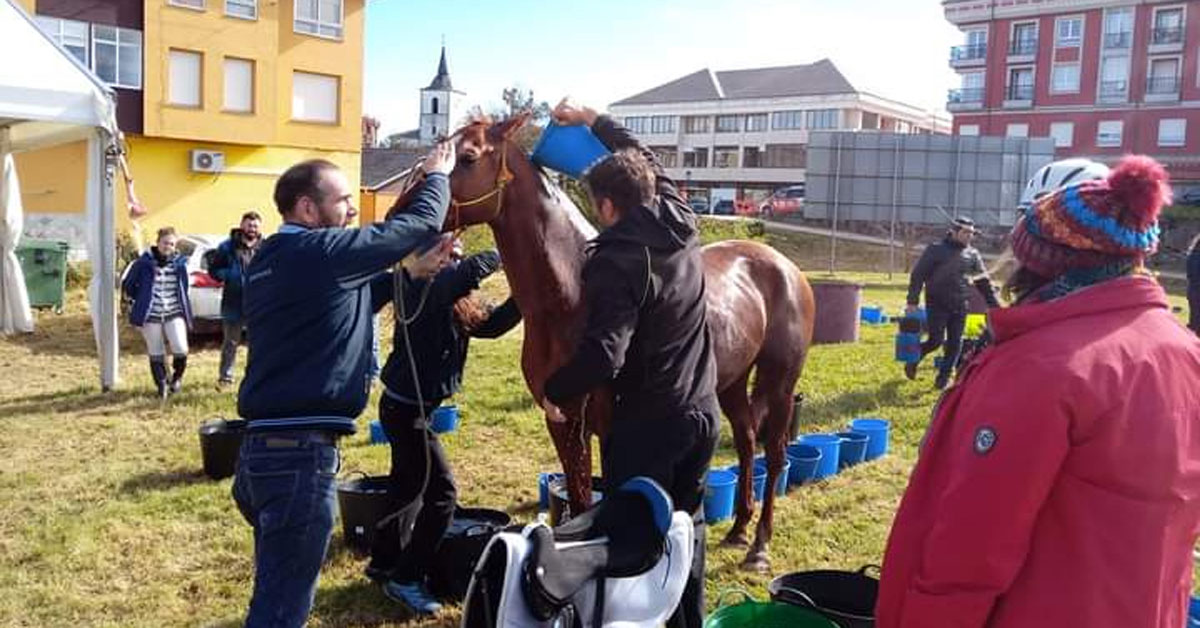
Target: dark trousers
x,y
945,330
674,451
1193,297
285,488
231,335
414,448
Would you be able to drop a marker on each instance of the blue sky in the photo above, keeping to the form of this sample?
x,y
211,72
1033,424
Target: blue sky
x,y
601,51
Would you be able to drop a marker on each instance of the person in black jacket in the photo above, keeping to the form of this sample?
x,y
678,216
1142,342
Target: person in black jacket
x,y
946,270
228,265
310,293
1193,285
436,317
646,334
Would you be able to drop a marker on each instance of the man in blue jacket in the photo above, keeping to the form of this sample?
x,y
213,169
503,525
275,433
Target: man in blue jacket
x,y
311,291
228,265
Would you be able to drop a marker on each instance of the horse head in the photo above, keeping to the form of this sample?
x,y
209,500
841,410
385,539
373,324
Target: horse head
x,y
487,154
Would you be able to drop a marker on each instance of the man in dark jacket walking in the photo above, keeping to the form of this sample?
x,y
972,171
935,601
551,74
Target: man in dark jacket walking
x,y
646,333
311,291
947,270
228,265
1193,285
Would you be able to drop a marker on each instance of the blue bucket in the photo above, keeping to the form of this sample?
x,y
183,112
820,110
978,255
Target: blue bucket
x,y
571,150
544,480
854,449
830,446
877,431
871,315
444,419
908,347
718,495
781,482
804,460
378,436
1194,613
759,481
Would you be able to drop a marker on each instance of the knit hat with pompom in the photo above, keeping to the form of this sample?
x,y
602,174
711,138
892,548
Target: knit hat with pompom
x,y
1093,223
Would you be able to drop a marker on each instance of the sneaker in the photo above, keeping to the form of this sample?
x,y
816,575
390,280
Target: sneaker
x,y
943,380
176,386
910,370
414,595
224,384
378,574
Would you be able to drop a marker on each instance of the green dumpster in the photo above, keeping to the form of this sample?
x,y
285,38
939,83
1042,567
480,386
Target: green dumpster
x,y
44,263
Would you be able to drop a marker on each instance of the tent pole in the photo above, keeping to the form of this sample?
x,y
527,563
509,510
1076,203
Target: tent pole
x,y
105,266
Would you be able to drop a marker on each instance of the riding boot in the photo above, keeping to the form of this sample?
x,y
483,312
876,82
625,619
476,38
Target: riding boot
x,y
158,370
178,366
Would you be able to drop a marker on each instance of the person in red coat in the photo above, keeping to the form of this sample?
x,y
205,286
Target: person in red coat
x,y
1059,483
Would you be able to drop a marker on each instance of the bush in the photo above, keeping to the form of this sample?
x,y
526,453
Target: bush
x,y
78,275
714,230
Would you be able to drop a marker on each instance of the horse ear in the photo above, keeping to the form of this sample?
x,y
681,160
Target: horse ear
x,y
513,124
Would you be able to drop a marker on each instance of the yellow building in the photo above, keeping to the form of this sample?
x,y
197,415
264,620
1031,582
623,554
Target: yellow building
x,y
216,99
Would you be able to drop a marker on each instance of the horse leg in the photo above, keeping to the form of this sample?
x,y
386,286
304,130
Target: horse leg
x,y
736,404
575,453
776,398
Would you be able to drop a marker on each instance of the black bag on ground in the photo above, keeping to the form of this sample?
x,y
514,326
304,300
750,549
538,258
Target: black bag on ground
x,y
468,534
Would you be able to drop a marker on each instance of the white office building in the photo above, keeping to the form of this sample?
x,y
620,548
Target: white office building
x,y
745,132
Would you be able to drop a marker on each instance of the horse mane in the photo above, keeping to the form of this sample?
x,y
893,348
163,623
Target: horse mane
x,y
574,215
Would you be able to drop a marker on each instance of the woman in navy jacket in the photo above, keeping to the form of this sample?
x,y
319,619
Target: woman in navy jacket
x,y
157,282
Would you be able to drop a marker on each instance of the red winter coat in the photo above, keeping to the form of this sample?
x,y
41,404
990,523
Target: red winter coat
x,y
1060,481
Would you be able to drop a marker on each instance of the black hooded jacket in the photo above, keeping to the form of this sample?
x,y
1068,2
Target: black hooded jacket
x,y
646,329
947,270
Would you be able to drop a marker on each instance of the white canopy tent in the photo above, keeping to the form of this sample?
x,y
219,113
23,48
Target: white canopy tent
x,y
46,98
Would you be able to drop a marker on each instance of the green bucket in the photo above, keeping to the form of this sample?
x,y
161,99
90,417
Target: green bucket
x,y
750,613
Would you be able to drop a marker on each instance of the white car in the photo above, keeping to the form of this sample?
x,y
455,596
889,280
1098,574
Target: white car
x,y
204,292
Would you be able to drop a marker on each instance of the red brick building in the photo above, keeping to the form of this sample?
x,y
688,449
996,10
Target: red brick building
x,y
1101,77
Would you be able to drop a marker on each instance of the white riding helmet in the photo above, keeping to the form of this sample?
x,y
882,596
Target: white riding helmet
x,y
1060,174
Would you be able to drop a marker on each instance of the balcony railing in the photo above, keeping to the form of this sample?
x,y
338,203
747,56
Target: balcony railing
x,y
1019,92
965,96
1110,90
1118,40
970,52
1166,36
1162,85
1022,47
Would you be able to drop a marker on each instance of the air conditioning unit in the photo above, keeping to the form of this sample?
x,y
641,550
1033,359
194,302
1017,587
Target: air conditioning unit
x,y
208,161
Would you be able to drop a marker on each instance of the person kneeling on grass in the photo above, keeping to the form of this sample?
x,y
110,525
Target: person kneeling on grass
x,y
435,320
157,282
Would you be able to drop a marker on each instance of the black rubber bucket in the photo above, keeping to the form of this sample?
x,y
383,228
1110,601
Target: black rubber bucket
x,y
220,441
469,533
560,507
363,501
846,597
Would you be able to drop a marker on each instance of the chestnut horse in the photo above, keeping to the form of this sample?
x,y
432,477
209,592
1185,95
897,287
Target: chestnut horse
x,y
760,314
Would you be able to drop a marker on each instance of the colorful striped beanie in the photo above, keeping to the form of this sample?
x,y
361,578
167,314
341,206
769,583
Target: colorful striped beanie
x,y
1093,223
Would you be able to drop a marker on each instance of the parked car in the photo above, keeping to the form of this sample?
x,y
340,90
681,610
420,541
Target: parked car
x,y
1189,197
784,201
204,292
723,207
699,205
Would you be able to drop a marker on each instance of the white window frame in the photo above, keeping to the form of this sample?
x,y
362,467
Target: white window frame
x,y
1075,42
1012,36
1100,134
1023,127
251,4
43,21
199,104
1032,69
321,21
1173,143
766,122
117,62
1100,80
1063,139
225,85
1178,59
1054,89
194,5
973,130
971,31
1170,7
337,104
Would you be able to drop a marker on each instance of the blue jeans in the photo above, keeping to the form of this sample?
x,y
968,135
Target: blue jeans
x,y
285,488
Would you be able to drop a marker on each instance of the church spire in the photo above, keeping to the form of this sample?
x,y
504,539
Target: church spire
x,y
442,80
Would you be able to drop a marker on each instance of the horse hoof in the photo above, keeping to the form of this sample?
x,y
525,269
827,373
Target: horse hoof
x,y
735,540
756,562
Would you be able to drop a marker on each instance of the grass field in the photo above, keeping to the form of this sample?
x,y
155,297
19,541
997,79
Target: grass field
x,y
106,520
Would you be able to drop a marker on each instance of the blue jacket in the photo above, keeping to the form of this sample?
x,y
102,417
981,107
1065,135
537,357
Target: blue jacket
x,y
439,345
139,286
225,266
310,297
